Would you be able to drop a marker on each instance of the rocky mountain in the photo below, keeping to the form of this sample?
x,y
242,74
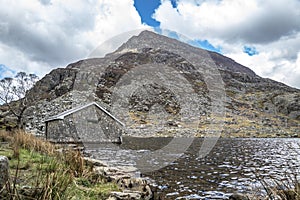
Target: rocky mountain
x,y
160,86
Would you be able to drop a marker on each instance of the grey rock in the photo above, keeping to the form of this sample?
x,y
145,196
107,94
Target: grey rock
x,y
238,196
125,196
4,171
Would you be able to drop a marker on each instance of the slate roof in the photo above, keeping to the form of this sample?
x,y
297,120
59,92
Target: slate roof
x,y
62,115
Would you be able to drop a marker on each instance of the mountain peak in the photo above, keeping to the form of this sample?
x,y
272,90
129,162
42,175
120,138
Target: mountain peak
x,y
149,39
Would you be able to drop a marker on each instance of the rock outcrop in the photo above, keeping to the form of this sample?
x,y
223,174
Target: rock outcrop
x,y
127,178
4,171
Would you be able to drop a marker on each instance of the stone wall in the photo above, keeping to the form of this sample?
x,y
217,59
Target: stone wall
x,y
61,131
87,125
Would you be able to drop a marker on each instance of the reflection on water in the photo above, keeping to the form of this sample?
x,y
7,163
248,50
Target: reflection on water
x,y
233,165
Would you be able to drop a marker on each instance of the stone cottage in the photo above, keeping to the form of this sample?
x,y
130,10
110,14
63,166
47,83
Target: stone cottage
x,y
89,123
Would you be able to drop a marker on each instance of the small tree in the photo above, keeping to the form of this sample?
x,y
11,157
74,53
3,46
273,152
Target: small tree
x,y
13,93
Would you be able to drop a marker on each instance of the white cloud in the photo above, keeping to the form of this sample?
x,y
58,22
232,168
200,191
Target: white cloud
x,y
272,27
39,35
254,21
208,19
20,62
278,60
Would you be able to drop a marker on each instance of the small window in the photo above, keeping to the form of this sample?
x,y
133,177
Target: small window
x,y
95,121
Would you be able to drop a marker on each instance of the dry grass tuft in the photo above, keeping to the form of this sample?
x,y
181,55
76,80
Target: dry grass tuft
x,y
5,136
282,190
76,162
30,142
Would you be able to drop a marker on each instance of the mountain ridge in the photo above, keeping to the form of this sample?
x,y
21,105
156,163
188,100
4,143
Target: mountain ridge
x,y
254,106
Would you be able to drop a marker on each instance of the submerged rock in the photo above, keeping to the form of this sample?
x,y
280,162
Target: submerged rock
x,y
238,196
131,186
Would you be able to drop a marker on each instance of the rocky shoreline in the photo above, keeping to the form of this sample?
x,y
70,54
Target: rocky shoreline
x,y
128,179
130,183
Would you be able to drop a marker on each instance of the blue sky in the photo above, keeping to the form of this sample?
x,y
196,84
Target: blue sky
x,y
146,8
5,71
262,35
250,50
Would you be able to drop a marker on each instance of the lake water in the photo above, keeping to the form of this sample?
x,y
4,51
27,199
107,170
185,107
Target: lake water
x,y
233,165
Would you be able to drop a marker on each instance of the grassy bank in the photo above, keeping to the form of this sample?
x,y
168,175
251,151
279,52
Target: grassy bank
x,y
41,170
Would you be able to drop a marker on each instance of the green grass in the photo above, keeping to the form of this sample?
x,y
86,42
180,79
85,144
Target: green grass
x,y
36,174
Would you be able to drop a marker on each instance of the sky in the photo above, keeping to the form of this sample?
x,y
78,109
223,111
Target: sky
x,y
37,36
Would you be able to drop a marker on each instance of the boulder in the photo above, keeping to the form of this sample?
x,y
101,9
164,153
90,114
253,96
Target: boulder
x,y
125,196
135,187
4,171
238,196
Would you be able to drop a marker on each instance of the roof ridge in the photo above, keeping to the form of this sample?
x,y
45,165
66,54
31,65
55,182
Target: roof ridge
x,y
62,115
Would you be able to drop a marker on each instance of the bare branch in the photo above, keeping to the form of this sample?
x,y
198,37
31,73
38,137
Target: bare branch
x,y
13,93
